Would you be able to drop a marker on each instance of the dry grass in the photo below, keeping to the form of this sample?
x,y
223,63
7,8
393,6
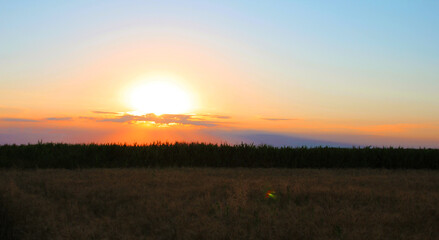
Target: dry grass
x,y
219,204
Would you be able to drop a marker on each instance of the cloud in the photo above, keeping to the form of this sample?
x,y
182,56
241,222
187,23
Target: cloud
x,y
18,120
87,118
25,135
215,116
277,119
257,137
103,112
35,120
59,118
121,119
165,119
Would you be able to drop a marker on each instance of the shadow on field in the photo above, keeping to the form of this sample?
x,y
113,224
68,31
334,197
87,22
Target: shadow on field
x,y
6,223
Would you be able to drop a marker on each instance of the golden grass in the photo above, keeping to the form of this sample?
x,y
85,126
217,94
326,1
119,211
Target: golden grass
x,y
219,204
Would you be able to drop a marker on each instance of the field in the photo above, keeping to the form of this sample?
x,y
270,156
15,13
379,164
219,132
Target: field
x,y
219,203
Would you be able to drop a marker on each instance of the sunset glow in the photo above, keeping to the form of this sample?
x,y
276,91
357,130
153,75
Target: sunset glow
x,y
159,97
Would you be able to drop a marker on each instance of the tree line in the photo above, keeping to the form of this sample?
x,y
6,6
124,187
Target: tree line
x,y
71,156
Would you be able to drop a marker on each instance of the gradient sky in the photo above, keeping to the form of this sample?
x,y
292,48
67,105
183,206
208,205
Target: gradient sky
x,y
344,72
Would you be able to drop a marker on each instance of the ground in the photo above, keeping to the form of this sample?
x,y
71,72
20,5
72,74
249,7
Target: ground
x,y
208,203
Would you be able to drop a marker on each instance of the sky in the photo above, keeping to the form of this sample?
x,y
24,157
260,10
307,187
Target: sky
x,y
338,73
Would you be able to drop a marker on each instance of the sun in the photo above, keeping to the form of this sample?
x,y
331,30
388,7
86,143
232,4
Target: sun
x,y
159,96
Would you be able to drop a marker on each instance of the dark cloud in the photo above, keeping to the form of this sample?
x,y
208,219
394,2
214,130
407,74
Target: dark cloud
x,y
162,119
59,118
103,112
25,135
18,120
237,136
277,119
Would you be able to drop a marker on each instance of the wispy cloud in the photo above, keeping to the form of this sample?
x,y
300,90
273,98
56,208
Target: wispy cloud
x,y
104,112
18,120
165,119
35,120
277,119
122,119
215,116
59,119
87,118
